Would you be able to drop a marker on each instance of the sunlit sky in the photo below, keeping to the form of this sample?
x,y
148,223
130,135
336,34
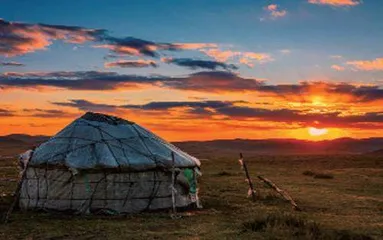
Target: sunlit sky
x,y
195,70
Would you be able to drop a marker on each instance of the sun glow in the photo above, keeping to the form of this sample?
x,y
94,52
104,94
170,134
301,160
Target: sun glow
x,y
317,131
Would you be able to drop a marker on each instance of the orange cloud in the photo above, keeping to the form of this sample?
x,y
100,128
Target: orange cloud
x,y
120,49
275,12
20,38
373,65
249,57
221,56
193,46
337,67
336,3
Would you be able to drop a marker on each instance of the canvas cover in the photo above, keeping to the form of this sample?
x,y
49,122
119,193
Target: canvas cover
x,y
101,192
97,141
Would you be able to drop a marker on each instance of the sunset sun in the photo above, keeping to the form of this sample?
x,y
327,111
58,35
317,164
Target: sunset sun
x,y
317,131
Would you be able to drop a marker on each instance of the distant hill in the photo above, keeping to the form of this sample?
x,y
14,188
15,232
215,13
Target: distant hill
x,y
376,153
249,146
283,146
15,143
27,138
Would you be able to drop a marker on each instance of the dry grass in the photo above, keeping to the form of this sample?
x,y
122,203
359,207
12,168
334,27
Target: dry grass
x,y
347,207
318,175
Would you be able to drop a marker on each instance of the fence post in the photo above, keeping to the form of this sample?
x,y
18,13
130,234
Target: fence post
x,y
248,179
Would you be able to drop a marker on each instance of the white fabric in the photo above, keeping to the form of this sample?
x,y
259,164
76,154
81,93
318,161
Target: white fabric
x,y
86,144
24,158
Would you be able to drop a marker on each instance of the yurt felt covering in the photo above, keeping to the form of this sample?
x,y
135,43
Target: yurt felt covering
x,y
105,163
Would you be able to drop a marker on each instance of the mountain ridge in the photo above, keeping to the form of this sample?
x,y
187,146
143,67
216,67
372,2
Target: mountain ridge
x,y
269,146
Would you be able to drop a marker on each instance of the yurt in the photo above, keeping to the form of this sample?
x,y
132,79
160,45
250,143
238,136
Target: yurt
x,y
105,164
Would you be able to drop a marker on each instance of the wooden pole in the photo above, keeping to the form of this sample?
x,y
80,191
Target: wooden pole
x,y
283,193
174,214
16,195
248,179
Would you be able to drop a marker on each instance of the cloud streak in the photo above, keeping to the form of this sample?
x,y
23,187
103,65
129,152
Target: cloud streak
x,y
367,65
11,64
82,80
6,113
205,81
47,113
199,64
21,38
131,64
336,3
237,110
337,67
246,58
85,105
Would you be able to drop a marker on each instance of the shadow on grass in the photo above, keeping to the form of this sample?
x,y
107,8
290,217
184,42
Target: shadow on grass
x,y
318,175
223,173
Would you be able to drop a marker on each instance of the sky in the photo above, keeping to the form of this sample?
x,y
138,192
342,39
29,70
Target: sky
x,y
195,70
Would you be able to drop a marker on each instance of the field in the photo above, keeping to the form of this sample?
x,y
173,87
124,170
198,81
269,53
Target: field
x,y
340,197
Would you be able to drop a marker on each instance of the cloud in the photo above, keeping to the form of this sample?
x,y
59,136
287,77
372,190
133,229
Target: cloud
x,y
205,81
337,67
236,110
175,104
213,81
131,64
6,113
198,64
219,55
135,46
247,58
210,81
285,51
21,38
81,80
331,119
275,11
305,90
194,46
139,47
373,65
336,56
85,105
47,113
336,3
11,64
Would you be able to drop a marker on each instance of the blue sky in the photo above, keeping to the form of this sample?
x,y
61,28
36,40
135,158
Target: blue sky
x,y
312,32
273,42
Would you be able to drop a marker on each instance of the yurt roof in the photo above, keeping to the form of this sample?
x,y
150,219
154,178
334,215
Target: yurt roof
x,y
102,141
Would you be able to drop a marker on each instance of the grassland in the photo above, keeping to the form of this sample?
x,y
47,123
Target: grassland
x,y
347,205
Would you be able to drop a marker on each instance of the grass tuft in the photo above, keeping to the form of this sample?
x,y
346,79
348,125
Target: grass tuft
x,y
295,227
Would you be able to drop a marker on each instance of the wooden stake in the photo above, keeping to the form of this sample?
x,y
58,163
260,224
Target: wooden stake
x,y
284,194
248,179
16,195
174,213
